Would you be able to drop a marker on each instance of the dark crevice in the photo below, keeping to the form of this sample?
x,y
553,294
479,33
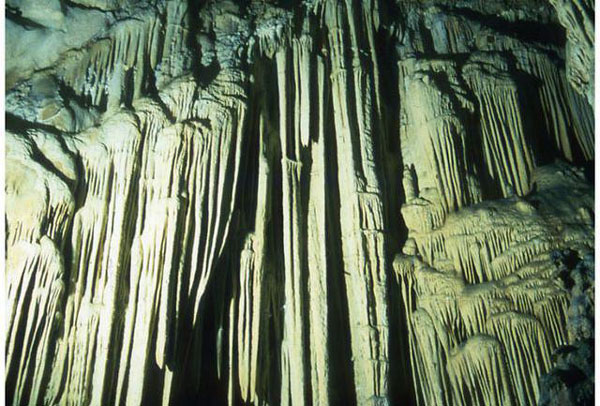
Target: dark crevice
x,y
400,382
19,125
529,31
16,15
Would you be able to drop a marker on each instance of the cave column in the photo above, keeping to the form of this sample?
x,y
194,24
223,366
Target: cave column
x,y
361,209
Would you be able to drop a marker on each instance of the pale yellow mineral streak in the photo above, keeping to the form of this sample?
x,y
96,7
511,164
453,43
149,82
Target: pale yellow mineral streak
x,y
361,208
318,289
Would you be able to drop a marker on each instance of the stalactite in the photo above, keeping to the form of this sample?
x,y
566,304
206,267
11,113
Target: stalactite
x,y
500,283
293,369
317,202
480,367
577,18
435,130
508,153
320,336
362,227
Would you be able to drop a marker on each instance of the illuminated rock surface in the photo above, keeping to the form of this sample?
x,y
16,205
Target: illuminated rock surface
x,y
292,203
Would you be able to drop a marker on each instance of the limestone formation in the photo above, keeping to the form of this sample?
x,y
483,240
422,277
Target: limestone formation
x,y
317,202
577,17
571,381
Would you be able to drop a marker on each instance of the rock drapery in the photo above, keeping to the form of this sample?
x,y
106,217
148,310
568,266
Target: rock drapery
x,y
291,203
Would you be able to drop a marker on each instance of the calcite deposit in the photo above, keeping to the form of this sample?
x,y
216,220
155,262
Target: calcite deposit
x,y
317,202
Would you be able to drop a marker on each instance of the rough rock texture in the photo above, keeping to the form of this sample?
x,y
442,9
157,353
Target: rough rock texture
x,y
322,202
571,381
577,16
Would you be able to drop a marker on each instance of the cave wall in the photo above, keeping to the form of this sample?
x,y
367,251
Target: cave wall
x,y
317,202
